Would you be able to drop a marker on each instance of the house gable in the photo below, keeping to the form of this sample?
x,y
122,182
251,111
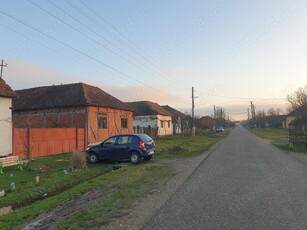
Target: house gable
x,y
6,90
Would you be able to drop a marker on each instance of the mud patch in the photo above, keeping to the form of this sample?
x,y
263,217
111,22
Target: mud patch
x,y
55,217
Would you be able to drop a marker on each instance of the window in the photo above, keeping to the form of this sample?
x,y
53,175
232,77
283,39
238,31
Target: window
x,y
123,140
161,124
124,123
169,124
102,121
110,141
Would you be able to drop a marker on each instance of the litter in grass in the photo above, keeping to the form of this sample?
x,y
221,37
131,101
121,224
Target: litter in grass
x,y
36,179
13,186
2,193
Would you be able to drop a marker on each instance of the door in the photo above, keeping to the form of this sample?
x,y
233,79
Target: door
x,y
107,148
122,147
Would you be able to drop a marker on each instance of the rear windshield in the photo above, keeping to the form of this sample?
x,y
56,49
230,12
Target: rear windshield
x,y
144,137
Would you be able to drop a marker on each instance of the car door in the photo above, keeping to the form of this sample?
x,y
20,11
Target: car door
x,y
122,147
107,148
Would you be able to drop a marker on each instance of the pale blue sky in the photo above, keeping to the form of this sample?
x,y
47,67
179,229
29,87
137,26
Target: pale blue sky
x,y
230,51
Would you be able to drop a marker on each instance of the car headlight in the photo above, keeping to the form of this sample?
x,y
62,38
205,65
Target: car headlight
x,y
88,148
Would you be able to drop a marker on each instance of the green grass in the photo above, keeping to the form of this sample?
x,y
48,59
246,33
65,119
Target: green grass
x,y
270,133
55,187
180,146
52,182
131,183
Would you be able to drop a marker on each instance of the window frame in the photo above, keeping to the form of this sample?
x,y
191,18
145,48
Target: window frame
x,y
122,123
102,125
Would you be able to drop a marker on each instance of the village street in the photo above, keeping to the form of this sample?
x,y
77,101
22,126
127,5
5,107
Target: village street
x,y
246,183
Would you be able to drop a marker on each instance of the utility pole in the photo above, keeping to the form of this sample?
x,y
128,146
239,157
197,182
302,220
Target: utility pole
x,y
248,114
193,117
214,111
2,65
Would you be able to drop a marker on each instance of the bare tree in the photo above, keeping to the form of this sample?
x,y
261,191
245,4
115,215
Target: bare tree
x,y
272,112
220,112
298,98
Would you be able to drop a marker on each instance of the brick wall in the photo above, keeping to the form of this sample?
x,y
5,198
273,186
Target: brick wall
x,y
76,117
52,118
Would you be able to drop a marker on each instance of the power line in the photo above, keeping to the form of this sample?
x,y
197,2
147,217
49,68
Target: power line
x,y
85,35
76,50
140,66
139,51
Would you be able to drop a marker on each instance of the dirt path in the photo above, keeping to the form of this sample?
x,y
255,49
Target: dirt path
x,y
181,168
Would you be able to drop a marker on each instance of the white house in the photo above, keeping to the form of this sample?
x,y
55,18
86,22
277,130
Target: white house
x,y
6,95
151,118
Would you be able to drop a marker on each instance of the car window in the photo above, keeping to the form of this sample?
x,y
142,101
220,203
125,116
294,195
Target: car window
x,y
145,137
109,141
123,140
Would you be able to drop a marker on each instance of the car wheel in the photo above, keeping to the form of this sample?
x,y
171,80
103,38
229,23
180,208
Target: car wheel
x,y
147,158
134,158
92,158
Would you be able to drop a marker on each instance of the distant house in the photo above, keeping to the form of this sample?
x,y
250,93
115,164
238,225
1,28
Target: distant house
x,y
151,118
207,123
73,105
298,127
273,121
6,95
181,122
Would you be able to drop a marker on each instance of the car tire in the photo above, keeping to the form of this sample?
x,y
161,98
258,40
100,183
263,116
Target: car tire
x,y
135,158
147,158
92,158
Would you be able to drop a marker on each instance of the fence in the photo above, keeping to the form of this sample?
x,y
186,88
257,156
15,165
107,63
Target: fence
x,y
47,141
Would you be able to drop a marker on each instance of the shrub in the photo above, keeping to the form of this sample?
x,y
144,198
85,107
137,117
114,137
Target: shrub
x,y
79,160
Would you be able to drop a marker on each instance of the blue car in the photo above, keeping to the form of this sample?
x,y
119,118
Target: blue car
x,y
131,147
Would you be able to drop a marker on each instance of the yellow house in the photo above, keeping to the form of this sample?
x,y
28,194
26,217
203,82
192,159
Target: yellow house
x,y
6,95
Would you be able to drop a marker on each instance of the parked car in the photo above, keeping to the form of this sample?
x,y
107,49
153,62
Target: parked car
x,y
219,129
131,147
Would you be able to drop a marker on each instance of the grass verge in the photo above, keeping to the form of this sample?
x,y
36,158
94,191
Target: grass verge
x,y
58,184
131,183
181,146
270,133
55,176
278,138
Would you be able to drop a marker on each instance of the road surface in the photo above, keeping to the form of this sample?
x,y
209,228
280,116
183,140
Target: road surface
x,y
246,183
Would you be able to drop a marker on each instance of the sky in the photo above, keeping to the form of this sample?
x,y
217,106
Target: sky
x,y
231,52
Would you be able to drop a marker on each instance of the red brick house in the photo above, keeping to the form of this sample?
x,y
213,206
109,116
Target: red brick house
x,y
72,105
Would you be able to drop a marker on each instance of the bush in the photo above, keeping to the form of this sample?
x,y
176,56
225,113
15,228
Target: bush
x,y
79,160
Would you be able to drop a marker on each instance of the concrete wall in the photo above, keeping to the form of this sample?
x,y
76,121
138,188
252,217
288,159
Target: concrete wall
x,y
163,124
166,128
5,126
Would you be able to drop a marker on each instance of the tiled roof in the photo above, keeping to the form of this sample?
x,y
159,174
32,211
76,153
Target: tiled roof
x,y
61,96
146,108
299,112
5,89
175,113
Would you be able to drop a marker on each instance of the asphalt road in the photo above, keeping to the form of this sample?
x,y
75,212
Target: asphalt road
x,y
246,183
